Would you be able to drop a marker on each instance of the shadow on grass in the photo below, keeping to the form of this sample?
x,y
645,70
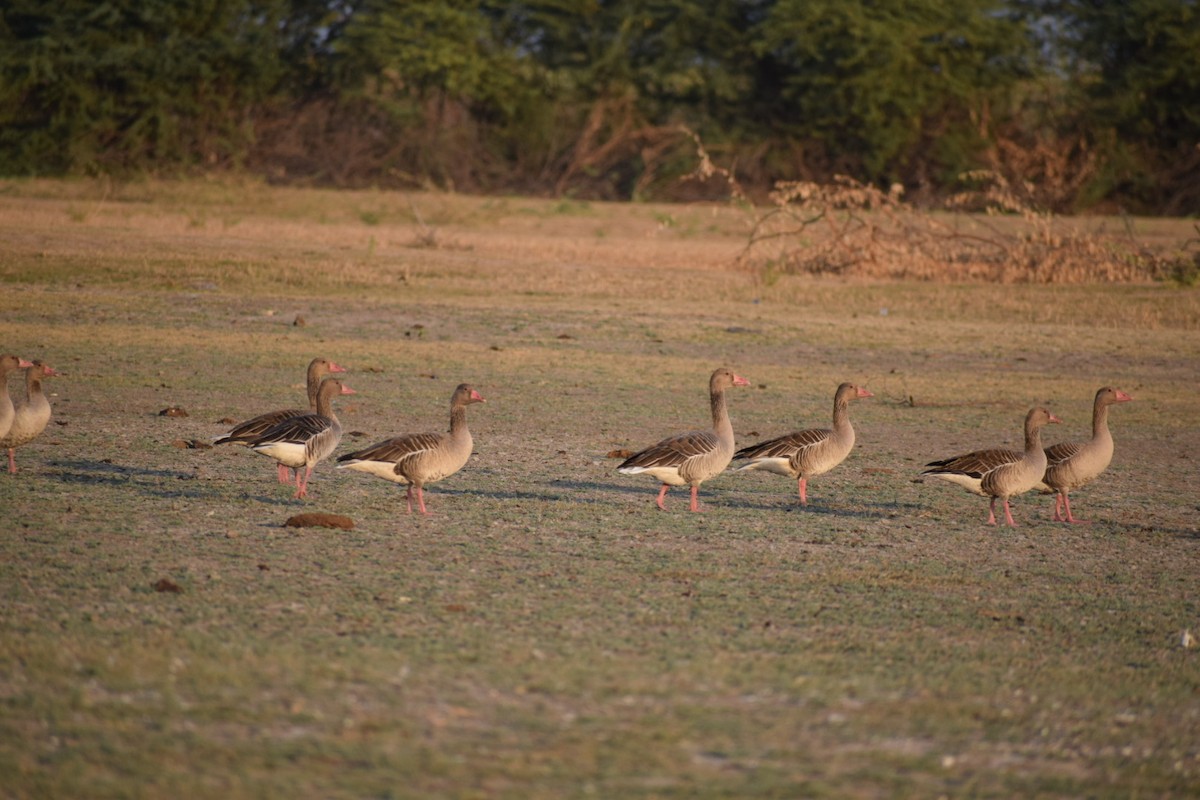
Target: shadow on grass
x,y
825,508
286,500
577,492
596,493
148,481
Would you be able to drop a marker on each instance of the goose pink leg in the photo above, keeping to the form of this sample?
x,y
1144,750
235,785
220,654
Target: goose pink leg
x,y
1008,514
1066,500
420,499
1058,508
302,484
12,462
803,491
662,493
695,506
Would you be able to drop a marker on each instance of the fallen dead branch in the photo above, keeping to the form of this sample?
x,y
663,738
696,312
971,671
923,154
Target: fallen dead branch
x,y
985,233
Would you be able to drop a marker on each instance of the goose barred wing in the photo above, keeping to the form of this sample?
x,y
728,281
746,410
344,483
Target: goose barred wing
x,y
1063,451
785,446
295,429
396,450
673,452
254,428
976,464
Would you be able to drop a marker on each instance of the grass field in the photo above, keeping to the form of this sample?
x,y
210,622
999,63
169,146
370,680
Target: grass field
x,y
547,632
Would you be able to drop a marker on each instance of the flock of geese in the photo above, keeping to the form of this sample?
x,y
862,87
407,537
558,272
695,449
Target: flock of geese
x,y
299,439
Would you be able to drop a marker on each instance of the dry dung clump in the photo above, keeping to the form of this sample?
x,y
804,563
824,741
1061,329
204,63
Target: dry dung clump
x,y
318,519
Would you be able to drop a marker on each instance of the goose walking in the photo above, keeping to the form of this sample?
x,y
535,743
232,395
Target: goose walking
x,y
244,433
418,459
1000,473
1070,465
31,414
801,455
303,441
7,364
689,459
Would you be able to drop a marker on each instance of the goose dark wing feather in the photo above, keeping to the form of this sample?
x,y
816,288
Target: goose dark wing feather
x,y
296,429
1063,451
976,464
785,446
674,451
253,429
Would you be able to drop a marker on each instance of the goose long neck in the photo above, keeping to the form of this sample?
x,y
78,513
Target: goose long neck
x,y
7,365
841,414
325,405
314,388
1033,439
1100,420
33,386
720,414
458,420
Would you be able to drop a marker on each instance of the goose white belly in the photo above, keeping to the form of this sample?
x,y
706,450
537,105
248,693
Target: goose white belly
x,y
380,469
779,466
668,475
290,454
969,482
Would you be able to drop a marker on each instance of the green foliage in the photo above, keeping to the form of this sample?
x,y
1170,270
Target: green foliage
x,y
588,97
868,79
90,86
1139,64
429,47
674,54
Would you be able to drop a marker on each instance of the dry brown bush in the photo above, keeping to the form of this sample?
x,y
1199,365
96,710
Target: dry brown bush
x,y
988,233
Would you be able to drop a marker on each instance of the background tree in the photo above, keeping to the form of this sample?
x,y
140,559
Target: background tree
x,y
867,82
1136,69
1079,102
92,86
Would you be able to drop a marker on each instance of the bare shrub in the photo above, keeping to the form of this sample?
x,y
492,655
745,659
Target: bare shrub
x,y
617,153
988,232
1054,170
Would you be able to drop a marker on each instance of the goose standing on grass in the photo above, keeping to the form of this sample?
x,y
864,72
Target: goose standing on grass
x,y
418,459
305,440
7,364
1000,473
30,414
1070,465
694,457
246,432
803,454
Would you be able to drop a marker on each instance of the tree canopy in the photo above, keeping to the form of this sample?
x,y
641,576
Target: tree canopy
x,y
1084,102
